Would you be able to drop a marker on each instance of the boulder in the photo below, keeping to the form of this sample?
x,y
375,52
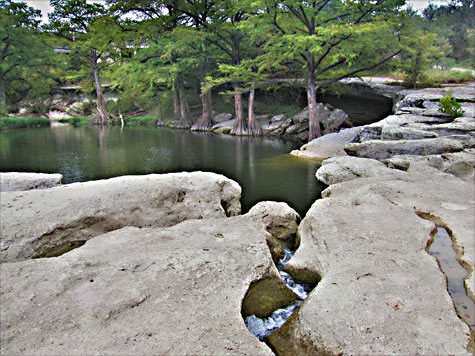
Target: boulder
x,y
334,121
225,116
278,118
385,149
14,181
223,127
328,145
45,222
280,219
381,292
180,290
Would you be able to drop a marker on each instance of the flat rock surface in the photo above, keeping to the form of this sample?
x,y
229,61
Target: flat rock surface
x,y
141,291
14,181
378,149
38,222
381,292
329,145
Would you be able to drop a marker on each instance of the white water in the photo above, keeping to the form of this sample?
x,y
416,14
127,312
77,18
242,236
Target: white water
x,y
264,327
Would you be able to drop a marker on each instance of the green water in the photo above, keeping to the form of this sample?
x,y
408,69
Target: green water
x,y
261,165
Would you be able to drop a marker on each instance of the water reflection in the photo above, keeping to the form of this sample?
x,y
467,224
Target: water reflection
x,y
261,165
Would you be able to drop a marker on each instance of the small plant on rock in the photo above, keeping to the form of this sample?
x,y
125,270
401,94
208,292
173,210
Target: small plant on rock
x,y
448,104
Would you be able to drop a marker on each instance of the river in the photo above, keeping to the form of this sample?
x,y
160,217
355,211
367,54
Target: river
x,y
261,165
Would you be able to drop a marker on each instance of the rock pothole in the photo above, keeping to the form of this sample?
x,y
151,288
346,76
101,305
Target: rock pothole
x,y
261,317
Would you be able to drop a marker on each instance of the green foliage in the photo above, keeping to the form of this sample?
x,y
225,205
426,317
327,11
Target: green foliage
x,y
452,23
25,55
22,122
77,120
448,104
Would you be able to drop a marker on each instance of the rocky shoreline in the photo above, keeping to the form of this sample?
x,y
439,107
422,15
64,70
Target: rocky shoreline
x,y
168,266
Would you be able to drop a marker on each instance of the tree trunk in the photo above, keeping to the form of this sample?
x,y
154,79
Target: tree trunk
x,y
206,121
253,126
176,103
240,127
3,98
185,116
102,117
314,130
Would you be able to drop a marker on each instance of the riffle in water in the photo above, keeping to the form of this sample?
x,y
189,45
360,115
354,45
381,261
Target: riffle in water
x,y
264,327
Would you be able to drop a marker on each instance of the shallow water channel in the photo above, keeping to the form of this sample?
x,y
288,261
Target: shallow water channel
x,y
442,249
262,166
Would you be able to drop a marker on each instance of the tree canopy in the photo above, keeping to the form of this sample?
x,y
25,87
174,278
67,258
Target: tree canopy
x,y
170,57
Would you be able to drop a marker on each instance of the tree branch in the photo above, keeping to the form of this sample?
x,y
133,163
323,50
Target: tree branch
x,y
334,80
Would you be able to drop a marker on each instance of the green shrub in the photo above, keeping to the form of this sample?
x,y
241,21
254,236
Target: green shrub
x,y
448,104
75,120
22,122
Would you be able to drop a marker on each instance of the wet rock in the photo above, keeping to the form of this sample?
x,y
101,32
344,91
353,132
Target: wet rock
x,y
328,146
14,181
40,222
385,149
381,292
176,290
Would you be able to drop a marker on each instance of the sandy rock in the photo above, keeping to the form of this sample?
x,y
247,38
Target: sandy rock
x,y
42,222
149,291
381,292
13,181
327,146
341,169
384,149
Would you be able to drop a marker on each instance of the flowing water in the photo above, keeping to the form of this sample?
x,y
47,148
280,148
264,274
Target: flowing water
x,y
261,165
264,327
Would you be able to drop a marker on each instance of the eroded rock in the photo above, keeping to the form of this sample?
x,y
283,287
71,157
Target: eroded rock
x,y
13,181
378,149
39,222
175,290
381,292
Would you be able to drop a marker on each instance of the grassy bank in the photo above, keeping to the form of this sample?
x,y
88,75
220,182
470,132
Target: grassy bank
x,y
7,123
137,121
78,120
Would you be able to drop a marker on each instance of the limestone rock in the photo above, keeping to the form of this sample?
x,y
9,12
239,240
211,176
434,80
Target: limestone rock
x,y
460,164
13,181
384,149
225,116
328,145
380,292
341,169
223,127
149,291
42,222
280,219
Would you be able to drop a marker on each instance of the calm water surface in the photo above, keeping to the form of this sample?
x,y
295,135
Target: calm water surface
x,y
261,165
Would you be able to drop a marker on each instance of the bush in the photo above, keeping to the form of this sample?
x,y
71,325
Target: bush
x,y
22,122
448,104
